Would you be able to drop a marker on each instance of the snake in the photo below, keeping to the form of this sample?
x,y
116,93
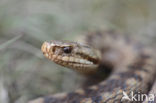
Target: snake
x,y
131,66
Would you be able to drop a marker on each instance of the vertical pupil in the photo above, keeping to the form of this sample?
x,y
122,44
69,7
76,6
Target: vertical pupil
x,y
67,49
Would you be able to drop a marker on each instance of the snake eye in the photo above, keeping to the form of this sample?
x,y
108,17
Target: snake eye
x,y
67,49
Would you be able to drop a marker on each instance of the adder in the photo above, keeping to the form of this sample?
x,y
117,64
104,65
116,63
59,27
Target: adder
x,y
132,67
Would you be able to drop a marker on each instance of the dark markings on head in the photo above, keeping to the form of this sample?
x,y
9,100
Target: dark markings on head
x,y
85,56
65,49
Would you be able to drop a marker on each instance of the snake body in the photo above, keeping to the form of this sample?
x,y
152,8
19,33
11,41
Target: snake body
x,y
133,67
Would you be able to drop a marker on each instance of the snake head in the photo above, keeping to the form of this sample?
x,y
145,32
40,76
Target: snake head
x,y
76,56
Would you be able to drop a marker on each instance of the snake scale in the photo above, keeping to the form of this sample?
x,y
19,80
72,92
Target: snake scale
x,y
132,65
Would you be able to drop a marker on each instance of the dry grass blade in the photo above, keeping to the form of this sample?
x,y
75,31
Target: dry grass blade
x,y
9,42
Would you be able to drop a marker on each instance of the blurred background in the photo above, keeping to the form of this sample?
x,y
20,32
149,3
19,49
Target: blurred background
x,y
24,24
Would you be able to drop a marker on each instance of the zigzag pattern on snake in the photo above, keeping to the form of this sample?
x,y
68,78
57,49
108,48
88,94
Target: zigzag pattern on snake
x,y
133,67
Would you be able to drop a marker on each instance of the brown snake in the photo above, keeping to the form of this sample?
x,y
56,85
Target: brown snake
x,y
133,67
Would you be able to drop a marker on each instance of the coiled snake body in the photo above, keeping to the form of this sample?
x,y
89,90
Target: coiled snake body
x,y
133,67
